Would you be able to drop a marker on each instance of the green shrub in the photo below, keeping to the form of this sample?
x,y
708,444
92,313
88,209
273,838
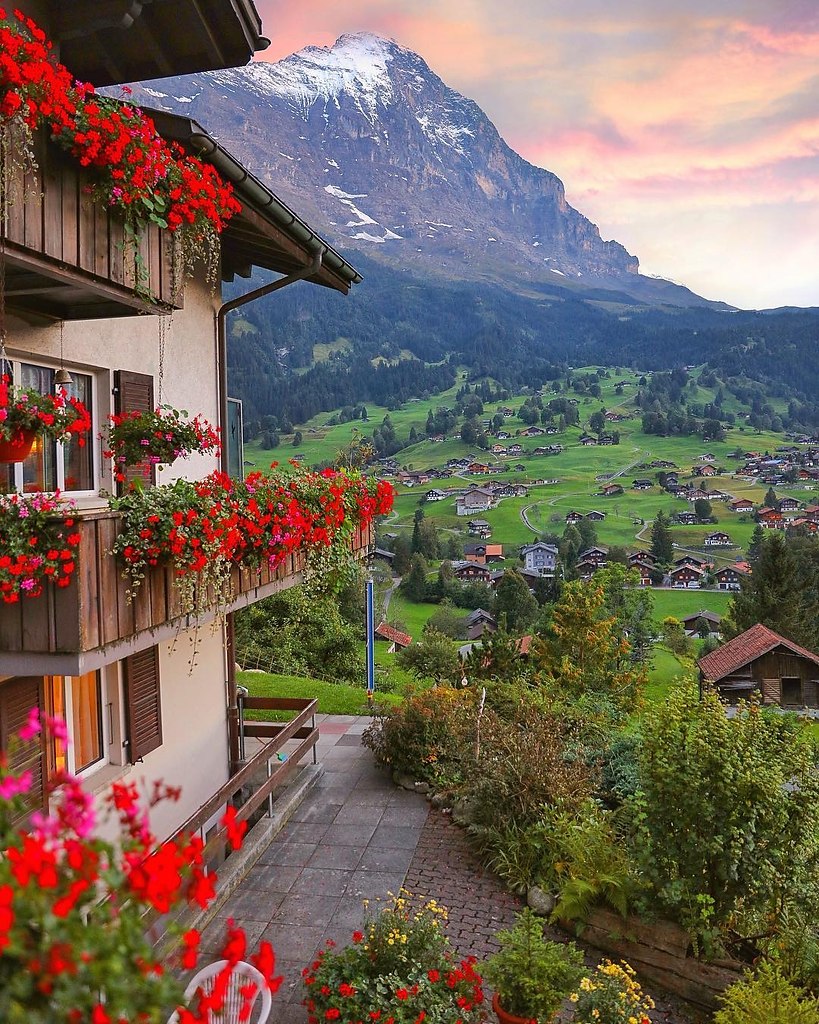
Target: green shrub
x,y
767,997
728,821
426,736
518,767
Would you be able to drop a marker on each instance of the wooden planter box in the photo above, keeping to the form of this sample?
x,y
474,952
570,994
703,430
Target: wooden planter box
x,y
659,952
95,610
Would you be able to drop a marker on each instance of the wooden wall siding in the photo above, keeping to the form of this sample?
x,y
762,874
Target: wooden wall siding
x,y
53,216
95,610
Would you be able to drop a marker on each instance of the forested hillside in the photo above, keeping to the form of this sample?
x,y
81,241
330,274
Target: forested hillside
x,y
394,337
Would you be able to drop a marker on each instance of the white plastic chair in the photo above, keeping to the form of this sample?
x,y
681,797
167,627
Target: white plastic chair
x,y
234,1001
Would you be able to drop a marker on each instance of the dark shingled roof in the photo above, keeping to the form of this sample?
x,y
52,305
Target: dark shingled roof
x,y
746,647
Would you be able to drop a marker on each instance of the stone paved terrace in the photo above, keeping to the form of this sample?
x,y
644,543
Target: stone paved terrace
x,y
357,836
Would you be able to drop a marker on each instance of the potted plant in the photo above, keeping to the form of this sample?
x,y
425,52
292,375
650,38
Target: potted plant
x,y
399,968
612,995
24,413
161,436
530,975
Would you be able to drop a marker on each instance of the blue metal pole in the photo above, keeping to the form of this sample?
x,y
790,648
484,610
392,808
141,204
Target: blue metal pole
x,y
369,589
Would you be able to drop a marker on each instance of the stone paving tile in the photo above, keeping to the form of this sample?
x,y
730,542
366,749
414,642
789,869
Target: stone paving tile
x,y
295,944
303,832
398,837
252,904
272,877
344,857
305,910
351,835
321,881
358,814
386,859
288,854
372,885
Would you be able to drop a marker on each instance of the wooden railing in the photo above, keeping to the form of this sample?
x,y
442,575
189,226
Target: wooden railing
x,y
243,791
97,609
55,232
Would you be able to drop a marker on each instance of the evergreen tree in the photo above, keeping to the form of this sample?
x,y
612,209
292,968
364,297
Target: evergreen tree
x,y
662,546
403,555
757,540
514,600
588,533
771,499
414,584
773,594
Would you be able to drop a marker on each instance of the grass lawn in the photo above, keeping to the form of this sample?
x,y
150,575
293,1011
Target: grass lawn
x,y
667,670
680,603
333,698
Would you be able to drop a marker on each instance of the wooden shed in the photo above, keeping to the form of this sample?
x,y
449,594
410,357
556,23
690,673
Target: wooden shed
x,y
763,663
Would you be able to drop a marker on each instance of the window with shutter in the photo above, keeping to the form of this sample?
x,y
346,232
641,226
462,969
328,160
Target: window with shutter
x,y
134,393
143,704
17,696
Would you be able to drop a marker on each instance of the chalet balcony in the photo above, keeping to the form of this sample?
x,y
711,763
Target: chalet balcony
x,y
65,255
93,621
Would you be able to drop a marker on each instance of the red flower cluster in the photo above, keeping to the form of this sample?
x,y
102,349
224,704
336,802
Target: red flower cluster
x,y
59,416
194,525
138,172
37,546
68,955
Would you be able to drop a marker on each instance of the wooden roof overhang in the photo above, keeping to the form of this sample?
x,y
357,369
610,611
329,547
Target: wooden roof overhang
x,y
107,42
267,233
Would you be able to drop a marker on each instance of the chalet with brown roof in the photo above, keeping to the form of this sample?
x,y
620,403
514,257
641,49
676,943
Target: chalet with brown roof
x,y
762,663
770,518
479,622
595,516
696,624
471,572
718,540
741,505
396,639
611,490
788,505
729,577
688,577
480,554
572,518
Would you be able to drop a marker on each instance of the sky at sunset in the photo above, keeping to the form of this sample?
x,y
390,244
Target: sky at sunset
x,y
688,132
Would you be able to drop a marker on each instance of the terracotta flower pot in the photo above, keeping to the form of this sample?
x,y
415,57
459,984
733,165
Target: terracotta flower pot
x,y
19,447
510,1018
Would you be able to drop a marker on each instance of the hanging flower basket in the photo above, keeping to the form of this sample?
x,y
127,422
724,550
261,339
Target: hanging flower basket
x,y
18,448
158,437
24,413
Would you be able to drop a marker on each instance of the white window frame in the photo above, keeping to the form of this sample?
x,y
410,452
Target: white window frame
x,y
15,364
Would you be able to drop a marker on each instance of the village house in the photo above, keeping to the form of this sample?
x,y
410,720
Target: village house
x,y
645,571
595,516
573,518
688,577
147,693
498,449
645,557
729,577
684,518
475,499
483,553
435,495
479,622
760,662
539,557
477,468
770,519
471,572
479,528
532,432
597,555
789,505
611,490
718,540
702,622
741,505
587,440
642,484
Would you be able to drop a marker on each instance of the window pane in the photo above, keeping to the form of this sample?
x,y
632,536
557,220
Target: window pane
x,y
55,702
40,468
86,732
78,461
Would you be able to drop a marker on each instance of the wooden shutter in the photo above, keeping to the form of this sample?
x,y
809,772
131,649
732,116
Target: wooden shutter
x,y
143,704
17,696
134,392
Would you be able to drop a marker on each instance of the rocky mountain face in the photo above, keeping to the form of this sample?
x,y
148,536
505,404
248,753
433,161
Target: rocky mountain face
x,y
366,141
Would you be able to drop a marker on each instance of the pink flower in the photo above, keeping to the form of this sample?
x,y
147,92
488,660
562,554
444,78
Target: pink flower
x,y
32,726
15,785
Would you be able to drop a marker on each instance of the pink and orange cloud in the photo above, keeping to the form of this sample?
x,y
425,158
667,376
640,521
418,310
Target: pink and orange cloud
x,y
690,134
